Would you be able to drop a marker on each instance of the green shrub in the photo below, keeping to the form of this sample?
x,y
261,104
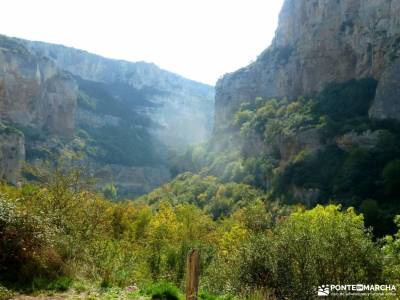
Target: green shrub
x,y
5,293
85,102
307,172
62,283
207,296
8,129
112,261
59,284
343,101
164,291
110,192
391,178
391,251
26,244
319,246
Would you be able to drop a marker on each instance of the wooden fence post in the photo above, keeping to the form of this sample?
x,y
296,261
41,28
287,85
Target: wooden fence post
x,y
192,275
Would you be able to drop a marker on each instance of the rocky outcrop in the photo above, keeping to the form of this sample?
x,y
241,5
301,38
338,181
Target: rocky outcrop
x,y
88,118
12,154
318,42
387,100
289,147
34,92
365,140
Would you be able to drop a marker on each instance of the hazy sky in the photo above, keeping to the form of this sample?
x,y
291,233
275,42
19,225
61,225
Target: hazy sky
x,y
199,39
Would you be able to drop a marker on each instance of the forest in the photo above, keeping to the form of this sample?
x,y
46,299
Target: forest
x,y
60,236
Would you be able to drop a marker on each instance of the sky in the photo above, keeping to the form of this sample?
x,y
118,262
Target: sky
x,y
198,39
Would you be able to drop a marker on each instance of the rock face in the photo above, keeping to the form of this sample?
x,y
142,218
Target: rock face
x,y
121,117
318,42
387,99
34,92
133,180
306,140
12,154
184,108
133,99
366,140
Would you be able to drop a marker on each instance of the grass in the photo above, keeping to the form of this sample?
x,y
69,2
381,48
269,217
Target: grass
x,y
164,291
60,284
5,293
66,288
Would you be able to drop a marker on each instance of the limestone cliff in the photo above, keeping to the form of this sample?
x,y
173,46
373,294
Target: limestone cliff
x,y
131,114
183,108
318,42
34,92
387,100
121,117
12,154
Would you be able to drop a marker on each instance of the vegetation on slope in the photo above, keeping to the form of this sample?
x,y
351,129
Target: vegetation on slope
x,y
125,140
312,150
56,235
251,207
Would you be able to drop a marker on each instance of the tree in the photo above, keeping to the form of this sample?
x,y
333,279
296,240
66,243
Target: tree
x,y
391,177
310,248
391,251
110,192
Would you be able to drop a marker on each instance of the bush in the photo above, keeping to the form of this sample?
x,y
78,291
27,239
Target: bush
x,y
5,293
391,251
207,296
307,172
113,262
164,291
344,101
62,283
26,244
110,192
319,246
391,177
59,284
